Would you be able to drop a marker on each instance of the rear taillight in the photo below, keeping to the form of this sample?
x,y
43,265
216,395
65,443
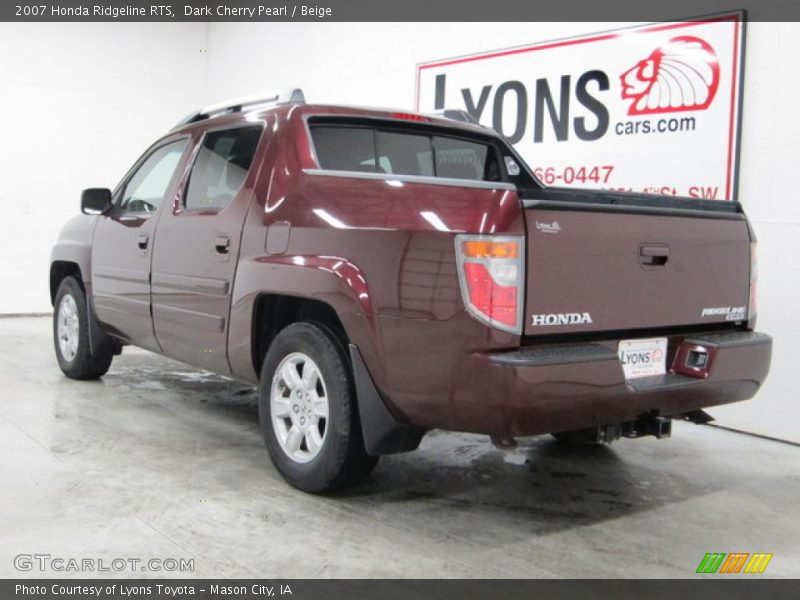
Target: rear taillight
x,y
490,271
753,308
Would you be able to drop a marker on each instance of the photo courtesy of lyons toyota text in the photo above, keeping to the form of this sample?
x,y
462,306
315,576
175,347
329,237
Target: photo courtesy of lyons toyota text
x,y
335,299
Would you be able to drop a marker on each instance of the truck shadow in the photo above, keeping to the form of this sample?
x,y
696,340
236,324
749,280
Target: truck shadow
x,y
539,487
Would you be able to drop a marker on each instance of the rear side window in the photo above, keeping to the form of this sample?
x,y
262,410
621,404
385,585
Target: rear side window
x,y
376,150
221,167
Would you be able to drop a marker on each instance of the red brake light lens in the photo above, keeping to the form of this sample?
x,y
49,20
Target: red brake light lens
x,y
498,302
491,276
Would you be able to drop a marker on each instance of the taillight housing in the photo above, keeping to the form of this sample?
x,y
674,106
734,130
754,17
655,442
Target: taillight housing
x,y
491,276
753,308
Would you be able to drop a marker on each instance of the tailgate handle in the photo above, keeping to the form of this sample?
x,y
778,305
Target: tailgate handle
x,y
653,256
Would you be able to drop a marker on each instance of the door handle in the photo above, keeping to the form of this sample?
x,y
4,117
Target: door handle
x,y
142,242
653,256
222,244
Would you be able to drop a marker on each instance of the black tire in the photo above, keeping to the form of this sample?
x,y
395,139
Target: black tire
x,y
342,459
82,365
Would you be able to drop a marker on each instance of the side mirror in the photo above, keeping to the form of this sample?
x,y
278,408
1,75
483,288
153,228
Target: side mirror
x,y
95,201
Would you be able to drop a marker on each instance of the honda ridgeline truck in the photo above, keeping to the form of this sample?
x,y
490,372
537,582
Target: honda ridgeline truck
x,y
380,274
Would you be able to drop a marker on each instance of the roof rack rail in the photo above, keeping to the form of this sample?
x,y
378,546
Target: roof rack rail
x,y
456,114
264,99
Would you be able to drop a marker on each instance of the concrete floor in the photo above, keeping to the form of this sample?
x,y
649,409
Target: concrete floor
x,y
160,460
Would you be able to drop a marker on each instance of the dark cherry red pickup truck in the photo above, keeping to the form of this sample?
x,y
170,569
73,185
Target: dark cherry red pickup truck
x,y
380,274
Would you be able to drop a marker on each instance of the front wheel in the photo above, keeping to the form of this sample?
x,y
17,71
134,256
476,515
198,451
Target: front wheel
x,y
308,414
71,334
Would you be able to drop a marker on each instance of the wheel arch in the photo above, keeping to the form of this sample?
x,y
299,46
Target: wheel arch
x,y
72,254
326,289
274,312
59,271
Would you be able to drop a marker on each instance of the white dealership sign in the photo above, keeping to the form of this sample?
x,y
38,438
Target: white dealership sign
x,y
650,109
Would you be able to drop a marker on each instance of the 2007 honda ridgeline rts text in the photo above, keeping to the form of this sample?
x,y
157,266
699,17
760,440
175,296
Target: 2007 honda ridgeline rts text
x,y
380,274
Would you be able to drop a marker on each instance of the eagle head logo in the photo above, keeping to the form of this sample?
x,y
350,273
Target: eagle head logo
x,y
681,75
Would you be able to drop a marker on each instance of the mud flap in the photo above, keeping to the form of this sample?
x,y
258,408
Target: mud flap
x,y
383,434
100,342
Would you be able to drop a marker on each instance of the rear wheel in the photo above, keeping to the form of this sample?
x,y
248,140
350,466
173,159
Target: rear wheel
x,y
308,414
71,334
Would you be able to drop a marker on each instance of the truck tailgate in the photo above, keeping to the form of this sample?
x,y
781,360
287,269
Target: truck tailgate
x,y
612,267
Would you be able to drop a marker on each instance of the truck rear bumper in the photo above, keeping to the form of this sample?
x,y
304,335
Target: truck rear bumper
x,y
562,387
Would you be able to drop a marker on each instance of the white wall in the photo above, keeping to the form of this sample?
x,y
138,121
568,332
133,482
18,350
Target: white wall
x,y
79,103
369,64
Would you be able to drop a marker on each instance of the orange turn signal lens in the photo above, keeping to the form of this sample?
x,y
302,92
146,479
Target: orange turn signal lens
x,y
487,249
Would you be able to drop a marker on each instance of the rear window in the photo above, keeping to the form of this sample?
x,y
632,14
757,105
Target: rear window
x,y
377,150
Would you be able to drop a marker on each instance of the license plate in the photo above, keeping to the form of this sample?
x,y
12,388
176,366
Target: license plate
x,y
643,358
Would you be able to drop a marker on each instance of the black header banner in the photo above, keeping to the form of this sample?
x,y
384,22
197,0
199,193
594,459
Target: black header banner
x,y
390,10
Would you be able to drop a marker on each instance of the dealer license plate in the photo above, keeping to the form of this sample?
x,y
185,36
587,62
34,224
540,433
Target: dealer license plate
x,y
643,358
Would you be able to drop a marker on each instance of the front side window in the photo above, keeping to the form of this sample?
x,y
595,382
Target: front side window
x,y
146,188
221,167
403,152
